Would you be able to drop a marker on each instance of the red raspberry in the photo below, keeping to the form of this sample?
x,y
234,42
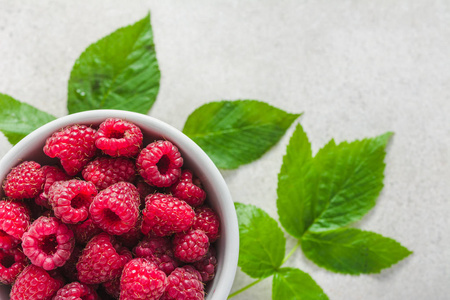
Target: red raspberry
x,y
116,208
117,137
157,250
52,174
71,199
105,171
24,181
191,246
144,190
74,291
160,163
184,283
112,287
165,215
142,279
102,260
131,238
14,221
207,265
48,243
34,283
84,231
73,145
208,221
189,189
12,262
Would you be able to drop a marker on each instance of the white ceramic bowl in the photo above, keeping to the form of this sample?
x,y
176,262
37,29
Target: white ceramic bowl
x,y
30,148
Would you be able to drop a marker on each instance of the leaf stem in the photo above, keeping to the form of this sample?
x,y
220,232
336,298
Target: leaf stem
x,y
290,252
244,288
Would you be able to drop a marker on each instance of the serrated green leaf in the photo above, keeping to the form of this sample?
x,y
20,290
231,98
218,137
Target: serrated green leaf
x,y
294,284
18,119
262,243
350,180
234,133
120,71
352,251
296,185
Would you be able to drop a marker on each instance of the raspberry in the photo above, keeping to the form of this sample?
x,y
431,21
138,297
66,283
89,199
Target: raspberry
x,y
73,145
131,238
184,283
160,163
34,283
144,190
24,181
157,250
48,243
102,260
116,208
189,189
12,262
74,291
14,221
165,215
84,231
52,174
207,265
117,137
208,221
105,171
142,279
191,246
71,199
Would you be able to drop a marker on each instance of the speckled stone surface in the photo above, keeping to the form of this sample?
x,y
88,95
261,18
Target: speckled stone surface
x,y
355,68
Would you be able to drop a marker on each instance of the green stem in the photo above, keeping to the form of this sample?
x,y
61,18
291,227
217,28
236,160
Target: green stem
x,y
291,252
244,288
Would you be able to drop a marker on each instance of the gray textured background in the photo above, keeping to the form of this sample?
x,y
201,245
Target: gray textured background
x,y
355,68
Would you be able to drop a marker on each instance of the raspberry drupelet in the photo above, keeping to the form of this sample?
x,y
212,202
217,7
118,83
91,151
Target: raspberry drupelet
x,y
24,181
105,171
207,220
52,174
191,246
48,243
159,251
116,137
160,163
14,222
12,262
189,189
71,199
73,145
207,265
74,291
184,283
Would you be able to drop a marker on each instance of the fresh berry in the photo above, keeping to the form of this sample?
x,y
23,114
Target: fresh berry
x,y
73,145
116,208
84,231
24,181
131,238
102,260
159,251
208,221
142,279
184,283
144,190
117,137
189,189
12,262
14,221
76,291
190,246
52,174
48,243
71,199
34,283
112,287
165,215
105,171
207,265
160,163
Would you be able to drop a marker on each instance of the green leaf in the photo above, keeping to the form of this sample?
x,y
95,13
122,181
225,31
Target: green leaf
x,y
120,71
352,251
238,132
262,243
350,180
17,119
294,284
296,185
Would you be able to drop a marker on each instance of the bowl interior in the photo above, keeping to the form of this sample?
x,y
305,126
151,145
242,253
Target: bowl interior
x,y
219,198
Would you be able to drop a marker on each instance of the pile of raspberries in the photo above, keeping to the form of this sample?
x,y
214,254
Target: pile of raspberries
x,y
112,220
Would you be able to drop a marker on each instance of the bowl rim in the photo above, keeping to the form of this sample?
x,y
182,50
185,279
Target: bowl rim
x,y
230,236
